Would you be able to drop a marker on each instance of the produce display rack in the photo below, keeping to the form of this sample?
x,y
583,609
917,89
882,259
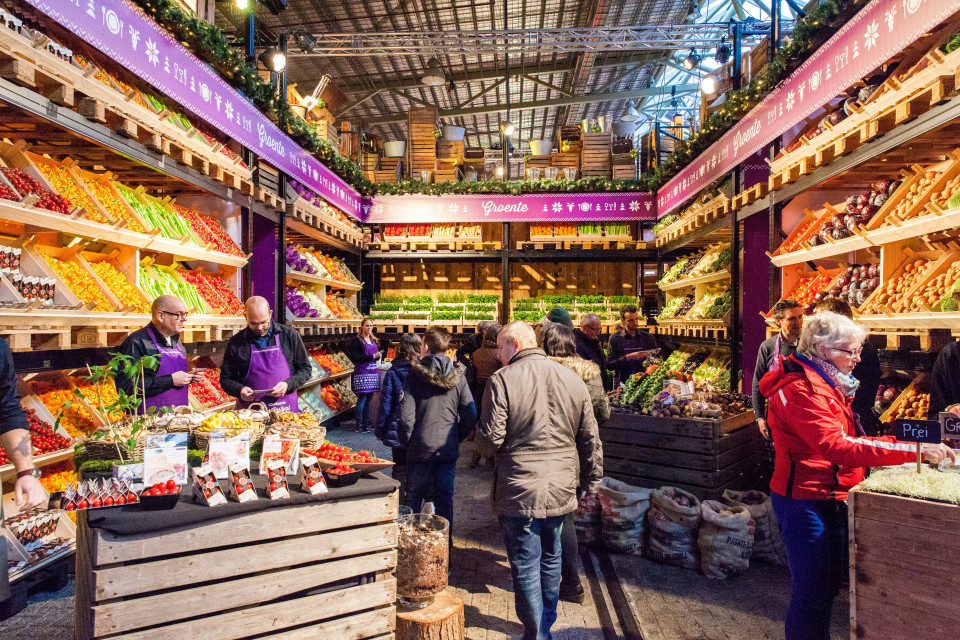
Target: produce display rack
x,y
312,217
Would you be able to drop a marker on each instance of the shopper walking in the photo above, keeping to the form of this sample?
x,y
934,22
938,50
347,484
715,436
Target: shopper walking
x,y
560,346
820,457
589,347
364,350
538,417
472,343
436,414
628,348
388,417
867,372
485,361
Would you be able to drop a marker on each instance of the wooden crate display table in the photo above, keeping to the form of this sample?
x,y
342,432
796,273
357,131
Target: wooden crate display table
x,y
703,456
904,570
309,567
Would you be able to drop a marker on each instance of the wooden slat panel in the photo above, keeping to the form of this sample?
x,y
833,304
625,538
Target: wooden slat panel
x,y
683,459
671,426
922,514
378,623
247,622
137,613
245,529
121,581
678,443
706,479
877,620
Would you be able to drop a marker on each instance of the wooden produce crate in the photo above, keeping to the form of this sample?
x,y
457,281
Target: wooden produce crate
x,y
32,258
421,140
596,156
895,261
702,456
451,150
314,569
124,261
903,567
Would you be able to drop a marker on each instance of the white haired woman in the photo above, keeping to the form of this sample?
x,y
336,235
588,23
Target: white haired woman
x,y
819,457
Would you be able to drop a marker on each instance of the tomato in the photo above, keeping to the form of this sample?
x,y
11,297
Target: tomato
x,y
171,484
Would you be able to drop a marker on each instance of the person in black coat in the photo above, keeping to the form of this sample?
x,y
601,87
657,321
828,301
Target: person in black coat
x,y
588,345
388,418
867,371
945,380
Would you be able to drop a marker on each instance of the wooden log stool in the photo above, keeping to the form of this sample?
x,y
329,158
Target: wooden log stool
x,y
440,620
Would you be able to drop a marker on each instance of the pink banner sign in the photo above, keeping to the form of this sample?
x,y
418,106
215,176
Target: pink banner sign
x,y
537,207
870,38
122,31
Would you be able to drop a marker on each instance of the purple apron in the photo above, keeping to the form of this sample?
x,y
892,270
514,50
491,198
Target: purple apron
x,y
172,359
268,367
775,361
366,377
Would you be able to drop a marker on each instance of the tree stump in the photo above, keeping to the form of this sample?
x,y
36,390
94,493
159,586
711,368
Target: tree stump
x,y
441,620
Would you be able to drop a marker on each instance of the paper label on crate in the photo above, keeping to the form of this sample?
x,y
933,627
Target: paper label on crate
x,y
223,453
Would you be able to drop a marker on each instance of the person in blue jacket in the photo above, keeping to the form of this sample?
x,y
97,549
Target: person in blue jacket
x,y
408,352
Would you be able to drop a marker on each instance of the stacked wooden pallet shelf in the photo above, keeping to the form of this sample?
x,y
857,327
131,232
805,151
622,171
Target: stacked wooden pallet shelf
x,y
422,141
595,156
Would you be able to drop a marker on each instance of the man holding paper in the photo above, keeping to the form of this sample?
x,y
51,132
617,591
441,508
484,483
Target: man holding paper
x,y
266,362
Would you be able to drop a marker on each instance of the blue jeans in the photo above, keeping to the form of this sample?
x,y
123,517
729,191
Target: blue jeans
x,y
432,481
815,538
533,548
363,410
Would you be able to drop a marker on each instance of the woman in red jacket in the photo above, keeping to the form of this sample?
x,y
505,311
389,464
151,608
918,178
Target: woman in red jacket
x,y
819,457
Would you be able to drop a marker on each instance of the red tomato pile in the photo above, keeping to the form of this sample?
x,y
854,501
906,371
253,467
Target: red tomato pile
x,y
42,435
213,377
341,469
278,478
167,488
344,455
7,193
210,232
204,394
25,184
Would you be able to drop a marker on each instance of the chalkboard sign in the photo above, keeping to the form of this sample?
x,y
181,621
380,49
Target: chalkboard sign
x,y
950,422
917,430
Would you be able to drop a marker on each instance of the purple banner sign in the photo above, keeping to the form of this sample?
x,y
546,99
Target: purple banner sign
x,y
535,207
870,38
126,34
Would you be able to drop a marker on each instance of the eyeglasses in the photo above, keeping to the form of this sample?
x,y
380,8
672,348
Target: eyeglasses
x,y
587,327
259,324
181,315
852,354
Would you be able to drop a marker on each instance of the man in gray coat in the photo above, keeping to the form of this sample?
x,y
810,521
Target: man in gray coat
x,y
538,417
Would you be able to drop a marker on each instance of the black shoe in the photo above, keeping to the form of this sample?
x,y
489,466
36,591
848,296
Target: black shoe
x,y
572,595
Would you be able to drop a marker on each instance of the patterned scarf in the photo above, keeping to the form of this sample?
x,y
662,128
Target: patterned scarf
x,y
847,385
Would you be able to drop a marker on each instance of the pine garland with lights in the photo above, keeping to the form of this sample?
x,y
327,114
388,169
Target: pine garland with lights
x,y
559,185
808,35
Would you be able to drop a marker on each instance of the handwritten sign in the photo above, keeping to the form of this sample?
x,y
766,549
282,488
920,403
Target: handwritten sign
x,y
536,207
950,424
126,34
880,30
917,431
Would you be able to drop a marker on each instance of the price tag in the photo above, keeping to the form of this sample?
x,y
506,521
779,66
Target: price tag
x,y
918,431
950,424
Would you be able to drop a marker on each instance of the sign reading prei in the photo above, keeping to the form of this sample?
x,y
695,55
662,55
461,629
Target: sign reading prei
x,y
126,34
871,37
535,207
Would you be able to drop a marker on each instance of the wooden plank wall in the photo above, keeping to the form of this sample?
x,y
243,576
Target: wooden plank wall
x,y
413,279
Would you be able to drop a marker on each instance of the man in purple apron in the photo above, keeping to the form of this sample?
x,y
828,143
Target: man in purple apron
x,y
266,362
168,385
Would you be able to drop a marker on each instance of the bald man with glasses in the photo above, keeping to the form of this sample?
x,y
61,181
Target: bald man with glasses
x,y
167,386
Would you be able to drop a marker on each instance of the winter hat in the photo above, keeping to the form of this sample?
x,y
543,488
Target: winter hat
x,y
559,315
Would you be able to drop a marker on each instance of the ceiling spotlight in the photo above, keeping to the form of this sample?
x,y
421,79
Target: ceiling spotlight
x,y
630,114
273,59
500,171
305,41
241,4
722,55
710,85
507,128
691,61
433,76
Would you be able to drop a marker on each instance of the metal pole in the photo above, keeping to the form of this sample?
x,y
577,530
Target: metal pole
x,y
735,328
283,75
774,29
737,56
505,138
505,274
251,41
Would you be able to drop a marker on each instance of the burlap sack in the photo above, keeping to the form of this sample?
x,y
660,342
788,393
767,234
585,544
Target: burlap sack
x,y
767,541
725,540
587,518
673,527
623,508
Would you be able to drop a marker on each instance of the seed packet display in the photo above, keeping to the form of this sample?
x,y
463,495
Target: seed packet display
x,y
284,450
241,486
223,453
206,489
311,476
96,493
277,484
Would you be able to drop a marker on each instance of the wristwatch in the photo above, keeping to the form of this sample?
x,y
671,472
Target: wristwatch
x,y
29,472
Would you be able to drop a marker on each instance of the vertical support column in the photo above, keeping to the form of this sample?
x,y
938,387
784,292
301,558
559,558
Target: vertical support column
x,y
505,275
735,328
264,262
756,237
281,269
246,241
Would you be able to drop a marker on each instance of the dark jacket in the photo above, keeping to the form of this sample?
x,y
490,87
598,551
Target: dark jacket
x,y
483,363
592,350
819,454
436,410
868,372
945,380
538,418
11,413
388,418
621,344
471,344
137,345
764,358
236,359
355,349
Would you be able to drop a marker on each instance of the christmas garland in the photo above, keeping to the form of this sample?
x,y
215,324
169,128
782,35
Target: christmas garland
x,y
808,34
583,185
208,43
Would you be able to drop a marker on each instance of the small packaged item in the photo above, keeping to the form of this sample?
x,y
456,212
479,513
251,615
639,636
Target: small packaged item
x,y
241,486
277,480
311,476
206,488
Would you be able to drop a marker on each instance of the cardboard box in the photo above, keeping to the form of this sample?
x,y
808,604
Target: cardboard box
x,y
277,484
206,489
311,476
241,486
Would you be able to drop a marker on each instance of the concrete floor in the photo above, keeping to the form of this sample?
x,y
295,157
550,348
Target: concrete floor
x,y
627,597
